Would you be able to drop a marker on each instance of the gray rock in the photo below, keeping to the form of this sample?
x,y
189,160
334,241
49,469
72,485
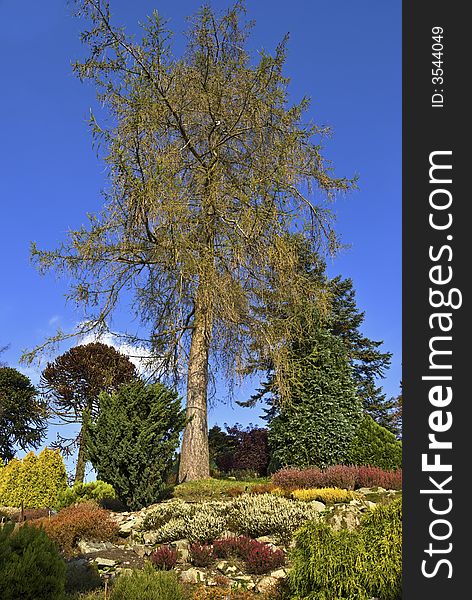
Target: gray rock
x,y
266,584
86,547
279,574
192,576
150,537
318,506
141,550
104,562
344,516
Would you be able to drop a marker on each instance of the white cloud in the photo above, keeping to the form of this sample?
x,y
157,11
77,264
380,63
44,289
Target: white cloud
x,y
53,320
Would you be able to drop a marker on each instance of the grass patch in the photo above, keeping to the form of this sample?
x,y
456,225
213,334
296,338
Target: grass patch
x,y
214,489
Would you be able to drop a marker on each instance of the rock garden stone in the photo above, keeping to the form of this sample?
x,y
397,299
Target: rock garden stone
x,y
192,576
266,584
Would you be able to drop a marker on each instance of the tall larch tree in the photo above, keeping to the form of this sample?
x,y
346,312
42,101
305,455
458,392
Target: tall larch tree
x,y
209,166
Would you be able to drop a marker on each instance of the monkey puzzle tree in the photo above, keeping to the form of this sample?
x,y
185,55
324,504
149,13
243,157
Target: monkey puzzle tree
x,y
23,416
209,167
73,383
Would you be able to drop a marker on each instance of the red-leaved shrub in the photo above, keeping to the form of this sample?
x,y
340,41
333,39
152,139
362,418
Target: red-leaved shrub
x,y
261,558
292,479
342,476
258,556
201,555
164,557
375,477
86,521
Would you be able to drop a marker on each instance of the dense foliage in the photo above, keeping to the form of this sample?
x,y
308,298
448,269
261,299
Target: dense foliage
x,y
73,382
342,476
318,424
249,515
376,446
340,317
148,584
22,414
84,492
86,521
240,449
258,557
30,565
133,441
340,565
34,481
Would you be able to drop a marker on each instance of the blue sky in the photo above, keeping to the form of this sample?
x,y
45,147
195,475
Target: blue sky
x,y
345,55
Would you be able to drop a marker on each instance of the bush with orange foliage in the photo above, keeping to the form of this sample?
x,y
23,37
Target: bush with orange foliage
x,y
86,521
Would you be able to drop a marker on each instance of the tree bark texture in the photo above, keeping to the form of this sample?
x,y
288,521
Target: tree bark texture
x,y
81,459
82,455
194,456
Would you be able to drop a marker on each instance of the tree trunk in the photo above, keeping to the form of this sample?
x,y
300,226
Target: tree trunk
x,y
82,455
194,456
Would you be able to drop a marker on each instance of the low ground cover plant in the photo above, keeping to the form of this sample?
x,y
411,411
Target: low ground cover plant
x,y
85,521
258,557
84,492
250,515
214,489
148,584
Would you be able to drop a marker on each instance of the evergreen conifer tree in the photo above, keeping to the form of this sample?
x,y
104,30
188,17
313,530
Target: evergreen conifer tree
x,y
133,441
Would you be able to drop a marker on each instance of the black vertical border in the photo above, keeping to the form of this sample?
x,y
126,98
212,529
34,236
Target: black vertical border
x,y
427,129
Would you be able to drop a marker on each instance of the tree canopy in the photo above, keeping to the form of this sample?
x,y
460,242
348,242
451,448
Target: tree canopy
x,y
209,166
23,416
73,382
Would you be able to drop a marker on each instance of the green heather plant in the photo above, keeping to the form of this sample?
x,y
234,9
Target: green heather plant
x,y
267,514
148,584
30,565
252,515
348,565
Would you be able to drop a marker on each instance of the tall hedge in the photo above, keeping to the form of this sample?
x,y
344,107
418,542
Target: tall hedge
x,y
319,420
35,481
376,446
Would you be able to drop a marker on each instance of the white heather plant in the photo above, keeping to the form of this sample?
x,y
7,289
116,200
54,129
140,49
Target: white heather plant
x,y
163,513
253,515
173,530
266,514
205,526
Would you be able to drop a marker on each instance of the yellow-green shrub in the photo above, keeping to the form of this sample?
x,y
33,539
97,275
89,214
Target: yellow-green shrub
x,y
35,481
361,564
326,495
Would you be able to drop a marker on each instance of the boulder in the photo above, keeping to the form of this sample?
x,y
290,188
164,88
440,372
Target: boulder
x,y
344,516
192,576
266,584
87,547
104,562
